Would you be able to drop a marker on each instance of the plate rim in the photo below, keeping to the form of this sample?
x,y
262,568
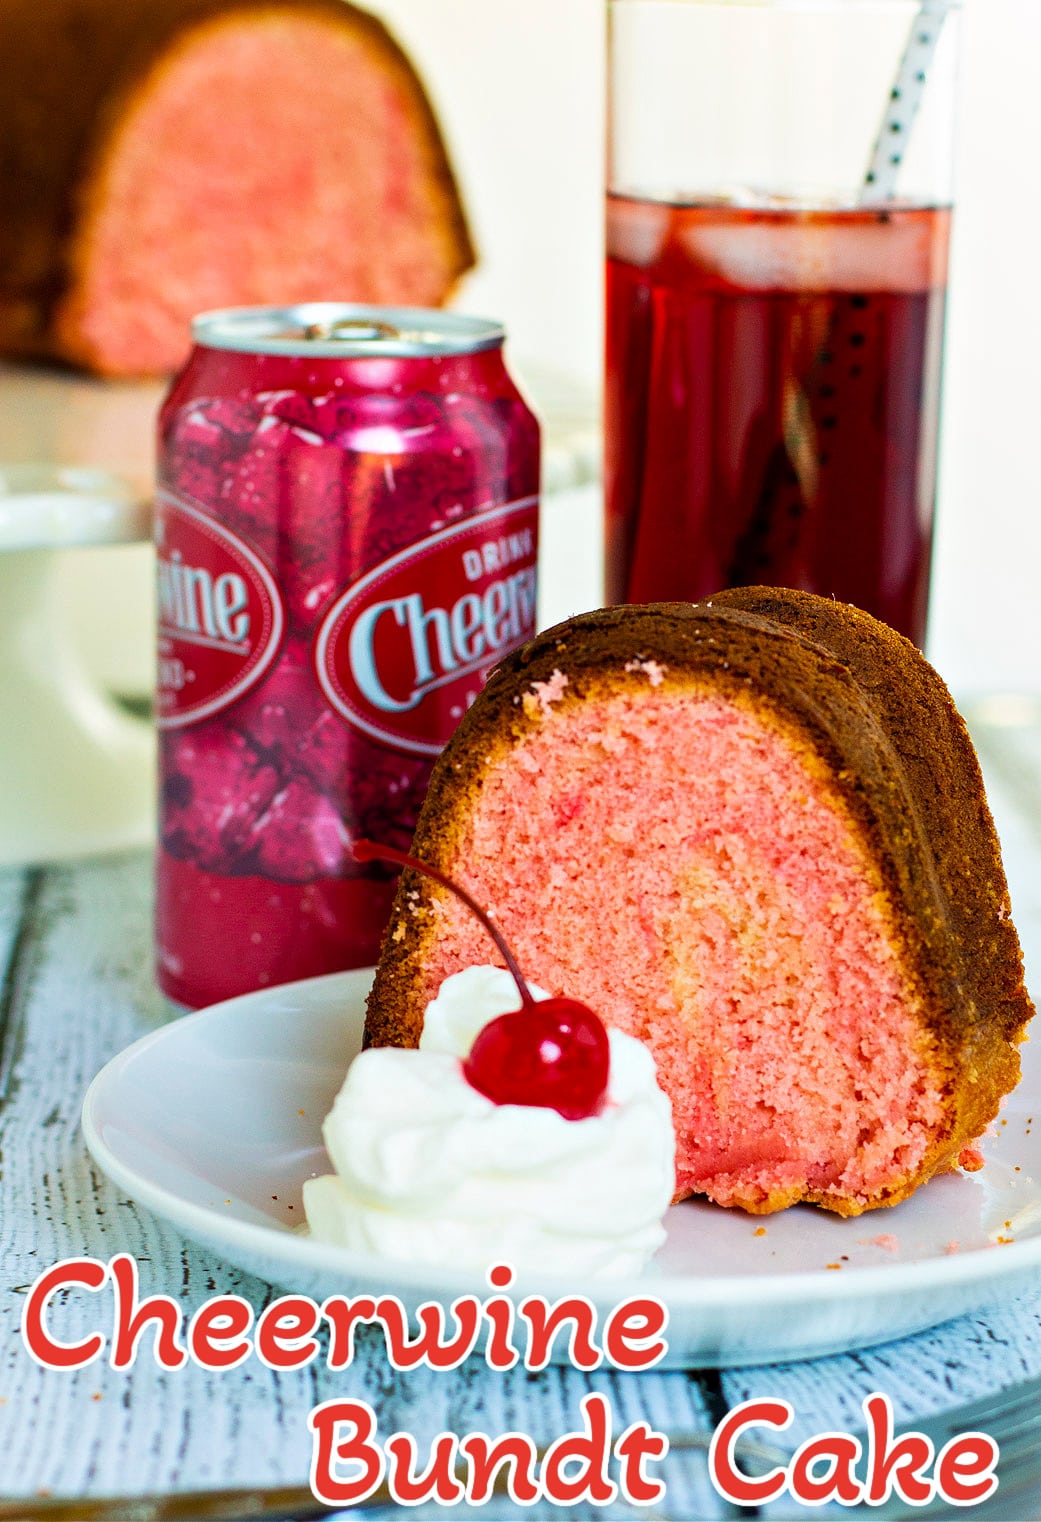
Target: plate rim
x,y
977,1265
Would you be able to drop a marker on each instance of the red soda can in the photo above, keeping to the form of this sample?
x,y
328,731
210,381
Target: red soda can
x,y
346,533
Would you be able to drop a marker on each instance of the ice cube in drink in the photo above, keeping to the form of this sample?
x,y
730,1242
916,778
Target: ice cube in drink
x,y
772,396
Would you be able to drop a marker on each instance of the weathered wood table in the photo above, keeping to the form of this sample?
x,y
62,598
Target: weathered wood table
x,y
77,987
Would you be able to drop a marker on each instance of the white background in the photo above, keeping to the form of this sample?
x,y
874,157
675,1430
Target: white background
x,y
518,85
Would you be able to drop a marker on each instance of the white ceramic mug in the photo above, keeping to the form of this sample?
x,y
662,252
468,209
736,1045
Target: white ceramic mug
x,y
77,770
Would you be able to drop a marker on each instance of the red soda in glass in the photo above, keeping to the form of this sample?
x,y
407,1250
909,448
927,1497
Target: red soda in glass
x,y
346,530
772,396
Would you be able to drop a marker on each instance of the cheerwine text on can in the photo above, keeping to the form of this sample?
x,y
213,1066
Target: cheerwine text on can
x,y
346,534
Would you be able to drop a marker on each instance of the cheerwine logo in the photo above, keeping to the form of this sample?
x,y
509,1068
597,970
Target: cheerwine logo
x,y
405,650
220,614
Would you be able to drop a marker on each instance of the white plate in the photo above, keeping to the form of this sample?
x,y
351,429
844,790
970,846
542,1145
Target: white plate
x,y
214,1122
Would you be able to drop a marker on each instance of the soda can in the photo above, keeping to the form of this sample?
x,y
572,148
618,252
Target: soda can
x,y
346,534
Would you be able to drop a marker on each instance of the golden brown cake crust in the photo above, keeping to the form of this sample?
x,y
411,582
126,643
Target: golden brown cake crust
x,y
886,728
64,79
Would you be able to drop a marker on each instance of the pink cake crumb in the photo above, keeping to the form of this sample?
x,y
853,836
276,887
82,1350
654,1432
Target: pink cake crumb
x,y
755,957
971,1159
885,1240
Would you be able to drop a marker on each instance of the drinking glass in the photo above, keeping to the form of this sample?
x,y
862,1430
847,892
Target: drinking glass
x,y
778,218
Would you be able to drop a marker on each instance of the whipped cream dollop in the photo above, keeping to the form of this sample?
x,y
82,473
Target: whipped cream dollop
x,y
430,1170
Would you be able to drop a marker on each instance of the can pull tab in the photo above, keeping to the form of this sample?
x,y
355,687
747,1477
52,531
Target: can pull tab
x,y
352,330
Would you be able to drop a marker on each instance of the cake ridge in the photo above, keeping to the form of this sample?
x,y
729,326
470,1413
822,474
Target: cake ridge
x,y
793,687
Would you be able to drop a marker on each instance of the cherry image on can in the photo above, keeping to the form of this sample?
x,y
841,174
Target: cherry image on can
x,y
346,534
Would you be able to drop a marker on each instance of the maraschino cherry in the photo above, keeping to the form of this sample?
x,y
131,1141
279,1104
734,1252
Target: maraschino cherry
x,y
550,1053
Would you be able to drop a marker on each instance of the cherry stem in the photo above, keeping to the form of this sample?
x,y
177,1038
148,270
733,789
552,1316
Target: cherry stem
x,y
368,850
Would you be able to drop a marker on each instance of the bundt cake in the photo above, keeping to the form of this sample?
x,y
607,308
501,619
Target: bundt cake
x,y
162,157
751,831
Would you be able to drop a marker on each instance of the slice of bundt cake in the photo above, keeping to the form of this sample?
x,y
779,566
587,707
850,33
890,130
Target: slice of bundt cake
x,y
162,157
752,832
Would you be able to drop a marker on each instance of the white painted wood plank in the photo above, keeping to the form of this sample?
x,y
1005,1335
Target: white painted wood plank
x,y
934,1371
84,990
12,891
